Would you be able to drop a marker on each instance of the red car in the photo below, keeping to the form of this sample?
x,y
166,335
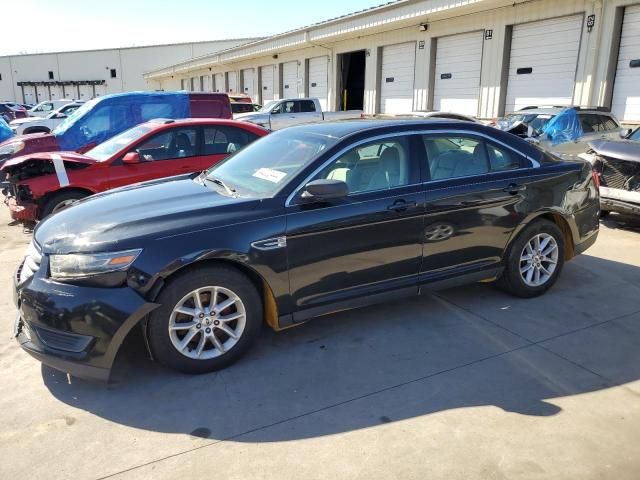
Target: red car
x,y
43,183
104,117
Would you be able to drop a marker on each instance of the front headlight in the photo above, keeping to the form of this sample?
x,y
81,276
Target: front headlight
x,y
11,148
80,265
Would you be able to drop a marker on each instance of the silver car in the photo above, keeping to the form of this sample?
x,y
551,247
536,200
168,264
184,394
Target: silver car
x,y
597,124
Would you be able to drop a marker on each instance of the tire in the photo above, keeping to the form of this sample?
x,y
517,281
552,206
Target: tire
x,y
54,203
201,355
524,284
604,213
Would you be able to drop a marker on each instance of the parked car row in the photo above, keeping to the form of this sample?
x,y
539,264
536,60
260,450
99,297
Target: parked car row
x,y
247,227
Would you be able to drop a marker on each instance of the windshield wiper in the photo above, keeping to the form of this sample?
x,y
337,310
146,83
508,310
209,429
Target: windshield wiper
x,y
217,181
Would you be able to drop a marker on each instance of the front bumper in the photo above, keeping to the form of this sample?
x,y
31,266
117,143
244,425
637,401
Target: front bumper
x,y
72,328
22,211
621,201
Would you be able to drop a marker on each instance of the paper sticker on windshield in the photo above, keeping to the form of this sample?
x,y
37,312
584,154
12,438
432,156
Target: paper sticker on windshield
x,y
269,174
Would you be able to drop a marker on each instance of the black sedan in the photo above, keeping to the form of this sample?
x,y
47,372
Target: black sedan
x,y
304,222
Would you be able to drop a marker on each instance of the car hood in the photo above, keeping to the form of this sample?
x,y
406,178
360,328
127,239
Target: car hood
x,y
72,157
33,142
628,150
129,217
21,121
256,117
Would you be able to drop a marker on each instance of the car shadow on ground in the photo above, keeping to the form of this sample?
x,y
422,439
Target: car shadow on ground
x,y
623,222
465,347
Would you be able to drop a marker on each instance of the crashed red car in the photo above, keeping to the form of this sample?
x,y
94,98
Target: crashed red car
x,y
43,183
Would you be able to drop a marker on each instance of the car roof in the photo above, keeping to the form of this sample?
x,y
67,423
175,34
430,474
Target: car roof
x,y
557,110
348,128
160,123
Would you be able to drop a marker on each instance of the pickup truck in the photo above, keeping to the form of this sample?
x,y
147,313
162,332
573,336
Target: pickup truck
x,y
279,114
24,126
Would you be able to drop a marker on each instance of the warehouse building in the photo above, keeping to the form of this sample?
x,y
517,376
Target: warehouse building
x,y
478,57
90,73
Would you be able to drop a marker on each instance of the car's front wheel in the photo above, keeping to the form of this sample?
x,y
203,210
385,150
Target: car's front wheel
x,y
60,201
534,261
208,318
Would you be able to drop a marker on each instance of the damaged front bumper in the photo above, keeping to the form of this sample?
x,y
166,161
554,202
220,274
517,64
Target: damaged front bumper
x,y
22,211
621,201
75,329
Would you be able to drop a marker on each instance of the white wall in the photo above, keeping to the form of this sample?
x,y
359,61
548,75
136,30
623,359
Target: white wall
x,y
444,17
130,65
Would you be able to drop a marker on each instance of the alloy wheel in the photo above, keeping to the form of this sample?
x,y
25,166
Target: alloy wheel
x,y
207,322
62,205
539,259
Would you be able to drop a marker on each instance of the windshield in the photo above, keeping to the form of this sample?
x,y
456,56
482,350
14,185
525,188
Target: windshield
x,y
635,135
71,119
107,149
267,106
264,167
533,120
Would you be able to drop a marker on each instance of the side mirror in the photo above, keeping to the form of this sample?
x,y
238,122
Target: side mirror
x,y
625,132
325,190
131,158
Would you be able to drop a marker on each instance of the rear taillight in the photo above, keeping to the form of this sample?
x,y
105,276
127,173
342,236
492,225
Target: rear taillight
x,y
596,177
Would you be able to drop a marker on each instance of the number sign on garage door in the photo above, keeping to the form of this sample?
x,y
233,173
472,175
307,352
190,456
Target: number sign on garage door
x,y
266,77
457,73
544,58
290,79
626,89
319,79
396,82
248,82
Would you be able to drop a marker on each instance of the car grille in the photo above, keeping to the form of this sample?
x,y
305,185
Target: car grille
x,y
619,174
31,263
68,342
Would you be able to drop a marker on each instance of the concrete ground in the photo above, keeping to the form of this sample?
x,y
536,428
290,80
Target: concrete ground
x,y
468,383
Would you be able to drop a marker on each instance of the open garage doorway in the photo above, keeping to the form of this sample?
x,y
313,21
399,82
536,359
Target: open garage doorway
x,y
351,68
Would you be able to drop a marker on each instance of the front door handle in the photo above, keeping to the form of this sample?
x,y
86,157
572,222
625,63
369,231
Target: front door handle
x,y
514,188
401,206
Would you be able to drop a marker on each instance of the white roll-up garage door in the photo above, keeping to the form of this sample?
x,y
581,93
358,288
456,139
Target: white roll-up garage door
x,y
248,83
544,58
319,80
233,82
266,79
398,72
626,89
457,73
290,80
218,82
29,94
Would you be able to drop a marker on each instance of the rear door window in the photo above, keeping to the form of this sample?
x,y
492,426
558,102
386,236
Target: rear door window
x,y
222,140
454,156
171,144
307,106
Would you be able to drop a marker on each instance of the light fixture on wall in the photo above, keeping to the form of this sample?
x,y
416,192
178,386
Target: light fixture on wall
x,y
423,27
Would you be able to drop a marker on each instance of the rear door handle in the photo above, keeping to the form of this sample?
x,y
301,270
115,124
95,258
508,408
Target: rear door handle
x,y
401,206
514,188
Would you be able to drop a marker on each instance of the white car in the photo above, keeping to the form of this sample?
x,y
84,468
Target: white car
x,y
22,126
45,108
278,114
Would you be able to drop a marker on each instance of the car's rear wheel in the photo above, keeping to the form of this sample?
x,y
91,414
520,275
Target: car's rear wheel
x,y
60,201
208,318
534,261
